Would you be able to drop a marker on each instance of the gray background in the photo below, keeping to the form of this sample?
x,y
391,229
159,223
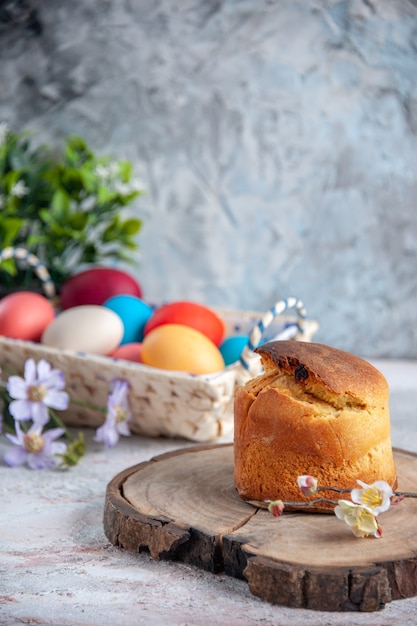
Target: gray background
x,y
276,141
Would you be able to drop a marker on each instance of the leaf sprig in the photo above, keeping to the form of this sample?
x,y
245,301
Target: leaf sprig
x,y
68,207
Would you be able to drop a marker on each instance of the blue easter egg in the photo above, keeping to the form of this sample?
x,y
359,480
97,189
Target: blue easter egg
x,y
232,347
134,314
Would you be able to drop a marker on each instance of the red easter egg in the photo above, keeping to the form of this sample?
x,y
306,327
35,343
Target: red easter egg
x,y
197,316
96,285
25,315
129,352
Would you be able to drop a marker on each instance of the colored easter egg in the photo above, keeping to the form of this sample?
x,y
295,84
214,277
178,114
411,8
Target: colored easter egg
x,y
25,315
88,328
231,348
96,285
197,316
129,352
181,348
134,314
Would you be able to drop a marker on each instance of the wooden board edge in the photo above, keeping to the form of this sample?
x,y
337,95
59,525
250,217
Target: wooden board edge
x,y
126,527
164,539
363,589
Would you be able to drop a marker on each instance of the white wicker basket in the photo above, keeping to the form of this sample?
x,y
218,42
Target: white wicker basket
x,y
163,403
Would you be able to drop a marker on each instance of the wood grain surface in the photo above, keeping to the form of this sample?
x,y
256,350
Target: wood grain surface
x,y
183,506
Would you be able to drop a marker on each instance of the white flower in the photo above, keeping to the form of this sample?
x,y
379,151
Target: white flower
x,y
376,497
38,449
40,388
102,172
124,189
360,519
108,171
19,189
118,415
137,185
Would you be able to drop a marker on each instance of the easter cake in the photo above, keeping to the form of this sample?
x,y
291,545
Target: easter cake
x,y
317,411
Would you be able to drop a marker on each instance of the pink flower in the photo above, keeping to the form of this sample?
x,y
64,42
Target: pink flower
x,y
276,508
36,448
308,485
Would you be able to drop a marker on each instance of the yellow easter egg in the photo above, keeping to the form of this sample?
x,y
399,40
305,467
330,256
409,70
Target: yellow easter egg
x,y
181,348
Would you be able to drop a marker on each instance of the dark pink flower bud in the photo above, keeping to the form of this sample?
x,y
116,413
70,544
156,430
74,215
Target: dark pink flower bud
x,y
276,508
308,485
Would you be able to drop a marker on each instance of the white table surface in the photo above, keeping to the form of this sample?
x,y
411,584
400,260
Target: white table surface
x,y
58,568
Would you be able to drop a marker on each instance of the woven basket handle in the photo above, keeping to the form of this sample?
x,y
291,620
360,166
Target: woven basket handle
x,y
32,261
248,358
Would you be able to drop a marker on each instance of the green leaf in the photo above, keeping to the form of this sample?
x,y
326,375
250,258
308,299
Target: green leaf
x,y
11,179
131,226
89,179
105,194
9,266
76,151
46,216
71,180
9,229
60,204
74,452
125,169
77,220
34,240
71,155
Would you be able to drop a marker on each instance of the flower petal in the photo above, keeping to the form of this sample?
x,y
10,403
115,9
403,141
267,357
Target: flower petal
x,y
40,413
40,461
44,371
21,409
53,433
58,447
30,372
123,429
383,486
56,399
15,456
107,434
56,380
17,388
15,440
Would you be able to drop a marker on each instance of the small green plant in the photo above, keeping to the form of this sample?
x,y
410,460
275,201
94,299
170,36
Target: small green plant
x,y
67,208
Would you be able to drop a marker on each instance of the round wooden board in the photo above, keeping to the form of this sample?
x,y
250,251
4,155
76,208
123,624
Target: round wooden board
x,y
183,506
